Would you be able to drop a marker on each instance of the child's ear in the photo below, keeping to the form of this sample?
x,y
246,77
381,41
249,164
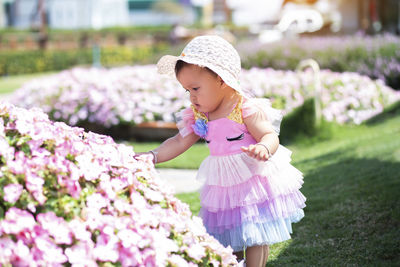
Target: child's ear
x,y
221,82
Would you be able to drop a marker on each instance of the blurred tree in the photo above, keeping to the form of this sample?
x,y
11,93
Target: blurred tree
x,y
228,13
43,37
40,15
222,12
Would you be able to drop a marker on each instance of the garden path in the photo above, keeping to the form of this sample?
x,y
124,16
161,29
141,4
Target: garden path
x,y
183,181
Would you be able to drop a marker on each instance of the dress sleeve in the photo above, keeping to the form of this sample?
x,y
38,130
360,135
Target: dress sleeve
x,y
185,120
262,108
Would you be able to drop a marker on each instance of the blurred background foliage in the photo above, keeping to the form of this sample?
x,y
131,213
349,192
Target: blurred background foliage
x,y
375,56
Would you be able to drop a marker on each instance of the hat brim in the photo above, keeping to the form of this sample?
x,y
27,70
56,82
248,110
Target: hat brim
x,y
166,65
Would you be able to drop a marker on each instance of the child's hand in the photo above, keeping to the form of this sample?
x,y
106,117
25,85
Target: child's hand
x,y
146,154
257,151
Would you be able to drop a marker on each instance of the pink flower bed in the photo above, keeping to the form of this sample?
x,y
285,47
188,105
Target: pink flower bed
x,y
132,95
68,197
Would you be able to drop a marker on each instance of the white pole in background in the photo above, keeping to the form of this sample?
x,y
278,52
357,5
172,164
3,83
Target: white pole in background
x,y
311,63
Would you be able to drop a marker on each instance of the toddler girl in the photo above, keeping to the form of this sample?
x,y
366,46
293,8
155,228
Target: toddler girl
x,y
251,191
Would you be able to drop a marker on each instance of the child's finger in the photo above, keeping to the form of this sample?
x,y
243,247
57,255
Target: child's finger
x,y
252,148
248,152
258,151
255,152
142,155
245,149
264,156
138,157
251,151
260,156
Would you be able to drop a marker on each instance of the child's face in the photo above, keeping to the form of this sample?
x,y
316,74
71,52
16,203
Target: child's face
x,y
206,90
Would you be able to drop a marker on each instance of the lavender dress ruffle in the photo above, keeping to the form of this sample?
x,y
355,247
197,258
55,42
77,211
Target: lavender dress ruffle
x,y
246,202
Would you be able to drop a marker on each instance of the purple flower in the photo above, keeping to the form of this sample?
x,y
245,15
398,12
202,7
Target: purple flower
x,y
200,128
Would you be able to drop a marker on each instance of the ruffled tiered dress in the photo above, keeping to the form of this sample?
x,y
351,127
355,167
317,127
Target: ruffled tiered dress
x,y
245,202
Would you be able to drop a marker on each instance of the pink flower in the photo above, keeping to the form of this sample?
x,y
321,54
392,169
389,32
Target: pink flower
x,y
107,188
17,166
74,188
129,238
122,206
93,219
153,195
34,183
31,207
21,255
196,251
24,127
130,257
81,254
16,221
2,133
56,227
78,229
149,258
12,192
96,201
138,201
177,260
6,250
106,248
6,151
48,252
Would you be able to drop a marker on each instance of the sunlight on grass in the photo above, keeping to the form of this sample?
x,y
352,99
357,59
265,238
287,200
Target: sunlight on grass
x,y
276,249
353,211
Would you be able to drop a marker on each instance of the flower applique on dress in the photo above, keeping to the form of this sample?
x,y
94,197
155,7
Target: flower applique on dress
x,y
191,120
200,128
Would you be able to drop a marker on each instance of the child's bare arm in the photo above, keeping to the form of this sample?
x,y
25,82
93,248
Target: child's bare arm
x,y
261,129
173,147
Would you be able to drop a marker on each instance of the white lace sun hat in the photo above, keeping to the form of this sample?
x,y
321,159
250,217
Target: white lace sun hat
x,y
209,51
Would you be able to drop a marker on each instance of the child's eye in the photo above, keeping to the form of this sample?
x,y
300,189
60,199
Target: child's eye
x,y
196,88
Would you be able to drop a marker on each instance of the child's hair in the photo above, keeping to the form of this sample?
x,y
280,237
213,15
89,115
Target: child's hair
x,y
180,64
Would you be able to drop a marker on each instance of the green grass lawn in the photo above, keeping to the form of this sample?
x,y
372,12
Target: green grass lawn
x,y
352,185
10,84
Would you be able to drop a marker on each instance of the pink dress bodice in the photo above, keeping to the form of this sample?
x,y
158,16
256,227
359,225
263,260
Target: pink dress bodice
x,y
226,137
